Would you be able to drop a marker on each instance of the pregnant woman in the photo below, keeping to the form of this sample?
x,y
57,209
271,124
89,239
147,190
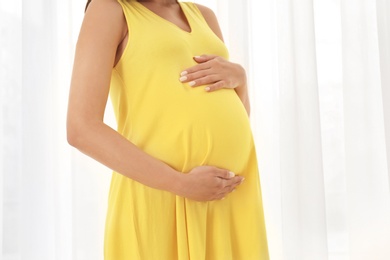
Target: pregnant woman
x,y
183,142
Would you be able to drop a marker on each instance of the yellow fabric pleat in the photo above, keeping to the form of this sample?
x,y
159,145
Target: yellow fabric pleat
x,y
184,127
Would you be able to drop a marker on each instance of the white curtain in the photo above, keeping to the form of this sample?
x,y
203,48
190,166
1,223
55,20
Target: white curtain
x,y
320,87
319,73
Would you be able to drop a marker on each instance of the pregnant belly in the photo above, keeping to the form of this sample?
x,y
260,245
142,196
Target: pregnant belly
x,y
203,129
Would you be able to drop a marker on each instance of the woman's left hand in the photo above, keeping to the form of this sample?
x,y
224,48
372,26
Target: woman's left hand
x,y
215,73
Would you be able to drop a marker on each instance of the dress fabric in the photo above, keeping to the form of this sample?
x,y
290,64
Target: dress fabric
x,y
184,127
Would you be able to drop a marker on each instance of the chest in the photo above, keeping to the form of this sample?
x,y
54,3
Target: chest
x,y
173,14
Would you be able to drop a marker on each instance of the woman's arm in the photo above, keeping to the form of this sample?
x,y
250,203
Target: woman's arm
x,y
101,32
223,74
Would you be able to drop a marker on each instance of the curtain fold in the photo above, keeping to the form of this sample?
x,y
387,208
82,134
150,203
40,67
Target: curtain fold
x,y
383,20
322,100
365,150
10,126
302,182
263,76
36,181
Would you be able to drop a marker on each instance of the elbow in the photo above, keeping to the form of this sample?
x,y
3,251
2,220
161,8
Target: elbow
x,y
74,133
71,135
80,132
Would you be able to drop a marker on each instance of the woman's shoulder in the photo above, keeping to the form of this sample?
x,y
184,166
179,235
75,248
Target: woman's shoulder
x,y
105,16
206,11
109,8
106,3
211,19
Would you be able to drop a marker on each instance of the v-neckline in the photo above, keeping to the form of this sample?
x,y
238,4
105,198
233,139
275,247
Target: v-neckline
x,y
167,21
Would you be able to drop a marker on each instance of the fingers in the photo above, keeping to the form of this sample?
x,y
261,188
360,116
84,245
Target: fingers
x,y
204,62
210,72
208,183
204,58
201,77
229,186
208,81
213,87
198,67
204,77
224,174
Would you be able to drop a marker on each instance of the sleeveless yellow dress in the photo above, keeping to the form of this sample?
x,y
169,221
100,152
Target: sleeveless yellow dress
x,y
184,127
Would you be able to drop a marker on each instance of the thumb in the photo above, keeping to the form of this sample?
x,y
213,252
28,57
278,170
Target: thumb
x,y
204,58
224,174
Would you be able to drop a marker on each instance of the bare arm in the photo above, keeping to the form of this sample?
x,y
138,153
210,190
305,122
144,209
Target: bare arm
x,y
101,32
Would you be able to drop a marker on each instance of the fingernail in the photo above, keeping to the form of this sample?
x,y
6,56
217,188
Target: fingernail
x,y
223,198
197,57
243,179
183,78
231,174
192,83
207,88
183,73
234,190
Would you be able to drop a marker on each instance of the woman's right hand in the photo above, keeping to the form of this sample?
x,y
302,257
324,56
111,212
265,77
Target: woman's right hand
x,y
206,183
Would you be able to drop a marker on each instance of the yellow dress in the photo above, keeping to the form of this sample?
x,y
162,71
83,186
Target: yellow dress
x,y
184,127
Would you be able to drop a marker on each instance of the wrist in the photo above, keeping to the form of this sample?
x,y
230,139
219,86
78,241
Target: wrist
x,y
242,89
242,83
177,183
